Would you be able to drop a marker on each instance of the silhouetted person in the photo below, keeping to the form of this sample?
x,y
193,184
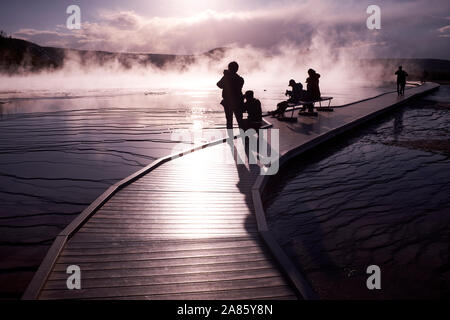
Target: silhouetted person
x,y
312,88
295,95
401,80
253,108
231,85
424,76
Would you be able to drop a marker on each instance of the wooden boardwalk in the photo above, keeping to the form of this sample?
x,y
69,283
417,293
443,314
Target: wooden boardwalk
x,y
189,228
310,131
185,230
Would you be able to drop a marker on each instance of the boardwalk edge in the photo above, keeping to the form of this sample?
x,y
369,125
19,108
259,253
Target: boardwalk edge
x,y
40,277
299,282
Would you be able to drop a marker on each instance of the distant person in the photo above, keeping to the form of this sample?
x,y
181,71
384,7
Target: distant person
x,y
312,88
401,80
295,95
424,76
253,108
231,85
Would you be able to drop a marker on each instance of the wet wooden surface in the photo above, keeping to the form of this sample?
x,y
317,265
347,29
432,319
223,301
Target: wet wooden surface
x,y
186,230
308,128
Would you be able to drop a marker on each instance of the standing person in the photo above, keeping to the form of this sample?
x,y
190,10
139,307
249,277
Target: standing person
x,y
401,80
231,85
424,76
312,88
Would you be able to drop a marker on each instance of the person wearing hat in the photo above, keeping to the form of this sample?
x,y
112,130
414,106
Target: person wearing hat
x,y
295,95
312,89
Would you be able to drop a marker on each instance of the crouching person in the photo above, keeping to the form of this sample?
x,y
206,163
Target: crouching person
x,y
295,95
253,108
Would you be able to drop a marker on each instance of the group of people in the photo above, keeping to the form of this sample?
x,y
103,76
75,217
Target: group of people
x,y
235,103
297,93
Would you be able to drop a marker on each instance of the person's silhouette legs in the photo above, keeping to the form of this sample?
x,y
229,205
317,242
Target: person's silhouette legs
x,y
229,117
238,114
281,107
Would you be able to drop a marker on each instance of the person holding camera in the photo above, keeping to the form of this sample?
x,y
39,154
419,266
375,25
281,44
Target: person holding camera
x,y
295,95
233,100
253,108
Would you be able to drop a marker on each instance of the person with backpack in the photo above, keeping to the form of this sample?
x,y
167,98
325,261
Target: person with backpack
x,y
295,95
231,84
312,89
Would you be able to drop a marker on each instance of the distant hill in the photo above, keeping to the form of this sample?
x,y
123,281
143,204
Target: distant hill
x,y
18,55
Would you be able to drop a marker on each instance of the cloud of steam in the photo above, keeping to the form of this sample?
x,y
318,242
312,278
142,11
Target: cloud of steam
x,y
262,69
404,24
271,45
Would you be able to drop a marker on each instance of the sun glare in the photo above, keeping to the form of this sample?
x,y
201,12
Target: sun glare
x,y
194,7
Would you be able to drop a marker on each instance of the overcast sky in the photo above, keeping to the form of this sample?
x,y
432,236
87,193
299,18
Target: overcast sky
x,y
409,28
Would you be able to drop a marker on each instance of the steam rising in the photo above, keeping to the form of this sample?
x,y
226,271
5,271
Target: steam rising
x,y
261,69
272,45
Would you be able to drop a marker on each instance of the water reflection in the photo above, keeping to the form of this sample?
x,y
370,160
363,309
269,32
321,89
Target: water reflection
x,y
398,124
61,150
380,198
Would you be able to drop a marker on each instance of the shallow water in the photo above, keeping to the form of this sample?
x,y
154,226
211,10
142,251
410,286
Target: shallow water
x,y
60,150
379,197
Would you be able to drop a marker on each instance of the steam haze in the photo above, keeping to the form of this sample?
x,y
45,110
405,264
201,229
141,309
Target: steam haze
x,y
268,24
260,68
272,41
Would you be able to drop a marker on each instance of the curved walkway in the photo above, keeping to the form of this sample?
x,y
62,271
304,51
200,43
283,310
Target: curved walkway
x,y
189,227
310,132
182,228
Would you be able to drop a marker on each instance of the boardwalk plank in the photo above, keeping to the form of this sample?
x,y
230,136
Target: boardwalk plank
x,y
87,248
239,294
160,227
170,219
79,240
166,234
171,270
262,283
125,256
114,238
108,282
192,261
